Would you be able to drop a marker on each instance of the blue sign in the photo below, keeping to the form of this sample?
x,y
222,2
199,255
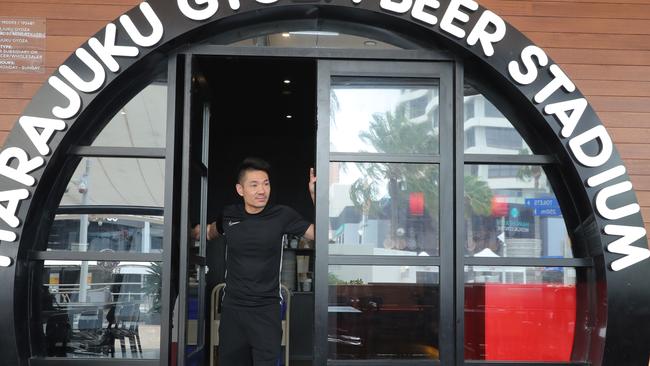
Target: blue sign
x,y
548,211
542,203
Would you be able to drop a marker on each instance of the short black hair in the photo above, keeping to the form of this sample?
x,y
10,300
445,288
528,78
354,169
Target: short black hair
x,y
250,164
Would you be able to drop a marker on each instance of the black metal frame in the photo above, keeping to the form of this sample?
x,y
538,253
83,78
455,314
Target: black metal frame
x,y
618,282
74,154
422,68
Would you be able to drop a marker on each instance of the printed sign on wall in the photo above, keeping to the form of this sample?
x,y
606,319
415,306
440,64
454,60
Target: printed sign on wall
x,y
22,45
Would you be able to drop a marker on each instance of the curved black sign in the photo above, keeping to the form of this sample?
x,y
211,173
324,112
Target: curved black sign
x,y
582,140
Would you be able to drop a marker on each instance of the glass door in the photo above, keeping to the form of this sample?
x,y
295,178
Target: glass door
x,y
384,272
191,304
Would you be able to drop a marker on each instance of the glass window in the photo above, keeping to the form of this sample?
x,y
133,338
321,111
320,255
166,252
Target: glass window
x,y
516,216
487,130
383,312
520,313
314,39
503,171
504,138
112,233
384,115
90,308
141,122
117,182
383,209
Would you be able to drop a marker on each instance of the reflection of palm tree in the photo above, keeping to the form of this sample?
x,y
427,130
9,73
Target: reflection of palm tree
x,y
393,132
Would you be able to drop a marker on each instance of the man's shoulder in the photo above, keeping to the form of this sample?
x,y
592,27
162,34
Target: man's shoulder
x,y
234,210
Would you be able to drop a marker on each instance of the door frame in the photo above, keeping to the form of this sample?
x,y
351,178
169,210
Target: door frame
x,y
180,72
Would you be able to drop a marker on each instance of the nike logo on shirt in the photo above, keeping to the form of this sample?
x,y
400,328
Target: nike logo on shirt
x,y
231,223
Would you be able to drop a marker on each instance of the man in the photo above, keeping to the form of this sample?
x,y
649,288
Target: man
x,y
251,325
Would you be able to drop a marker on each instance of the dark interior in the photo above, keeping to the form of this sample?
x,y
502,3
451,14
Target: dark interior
x,y
250,103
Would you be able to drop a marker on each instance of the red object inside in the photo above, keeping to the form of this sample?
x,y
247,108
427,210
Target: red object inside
x,y
519,322
499,206
416,204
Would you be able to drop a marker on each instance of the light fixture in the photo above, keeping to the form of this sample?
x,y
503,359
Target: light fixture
x,y
314,33
287,81
289,116
286,35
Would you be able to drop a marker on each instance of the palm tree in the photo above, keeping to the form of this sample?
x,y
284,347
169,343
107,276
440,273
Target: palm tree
x,y
393,132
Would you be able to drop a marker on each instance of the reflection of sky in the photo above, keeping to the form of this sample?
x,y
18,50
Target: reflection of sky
x,y
354,113
350,173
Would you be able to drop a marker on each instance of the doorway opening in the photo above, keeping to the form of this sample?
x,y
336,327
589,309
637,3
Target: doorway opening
x,y
253,107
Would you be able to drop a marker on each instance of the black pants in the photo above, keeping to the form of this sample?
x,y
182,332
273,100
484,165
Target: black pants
x,y
250,336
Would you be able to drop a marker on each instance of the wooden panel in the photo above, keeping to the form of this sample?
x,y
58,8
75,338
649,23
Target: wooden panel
x,y
7,121
607,72
624,119
587,25
641,183
629,135
637,167
591,41
19,90
13,106
614,88
86,28
568,9
620,104
27,78
92,2
65,43
634,151
599,57
62,11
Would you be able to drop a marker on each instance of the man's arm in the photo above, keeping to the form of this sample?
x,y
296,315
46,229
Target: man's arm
x,y
309,234
312,185
212,233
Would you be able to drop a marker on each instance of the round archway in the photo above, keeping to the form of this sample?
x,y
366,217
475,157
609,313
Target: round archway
x,y
486,69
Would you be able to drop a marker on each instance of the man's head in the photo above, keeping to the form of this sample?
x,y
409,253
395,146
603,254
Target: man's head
x,y
253,184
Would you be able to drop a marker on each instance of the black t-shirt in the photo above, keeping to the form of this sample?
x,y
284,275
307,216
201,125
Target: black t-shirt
x,y
254,252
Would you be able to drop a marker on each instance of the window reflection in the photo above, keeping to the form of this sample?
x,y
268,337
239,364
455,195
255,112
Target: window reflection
x,y
511,211
383,312
385,116
313,39
100,309
487,130
116,181
141,122
383,209
519,313
113,233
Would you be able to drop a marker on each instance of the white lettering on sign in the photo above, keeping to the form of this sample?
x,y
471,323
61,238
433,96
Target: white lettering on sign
x,y
194,14
137,37
480,32
25,166
623,245
99,75
108,50
420,13
454,13
13,198
40,139
569,113
488,30
74,100
530,75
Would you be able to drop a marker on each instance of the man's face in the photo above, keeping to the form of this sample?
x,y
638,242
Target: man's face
x,y
255,189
